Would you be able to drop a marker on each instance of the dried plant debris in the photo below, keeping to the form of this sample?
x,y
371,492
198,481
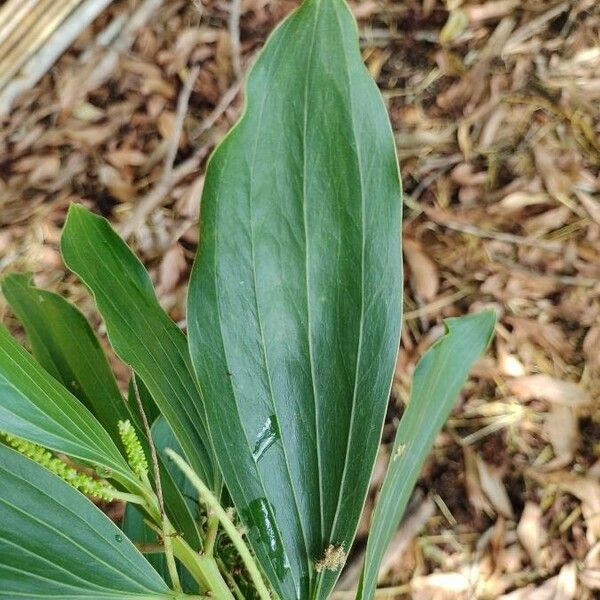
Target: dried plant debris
x,y
495,106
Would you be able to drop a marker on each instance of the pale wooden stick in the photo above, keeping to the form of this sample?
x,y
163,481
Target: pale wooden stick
x,y
35,38
41,62
11,14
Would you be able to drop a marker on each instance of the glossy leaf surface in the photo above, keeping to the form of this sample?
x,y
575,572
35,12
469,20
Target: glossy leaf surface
x,y
139,330
295,299
437,380
36,407
54,543
64,344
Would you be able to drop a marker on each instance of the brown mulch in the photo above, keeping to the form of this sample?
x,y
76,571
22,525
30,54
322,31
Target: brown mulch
x,y
496,111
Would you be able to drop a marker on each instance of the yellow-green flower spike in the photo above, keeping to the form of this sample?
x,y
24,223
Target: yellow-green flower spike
x,y
80,481
135,453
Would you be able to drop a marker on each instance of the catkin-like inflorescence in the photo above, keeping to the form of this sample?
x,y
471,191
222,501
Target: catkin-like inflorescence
x,y
80,481
333,559
135,453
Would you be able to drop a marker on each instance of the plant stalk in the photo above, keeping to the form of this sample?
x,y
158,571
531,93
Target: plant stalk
x,y
234,535
212,528
204,570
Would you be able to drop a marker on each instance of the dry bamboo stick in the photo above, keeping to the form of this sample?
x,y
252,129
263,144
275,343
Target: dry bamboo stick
x,y
34,39
11,14
45,57
29,20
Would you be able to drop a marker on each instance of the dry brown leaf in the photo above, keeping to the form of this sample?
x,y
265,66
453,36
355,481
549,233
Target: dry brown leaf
x,y
474,492
424,275
558,183
531,531
120,188
46,169
586,490
490,478
546,591
591,343
560,426
549,220
519,200
409,529
510,364
125,157
591,204
189,204
544,387
171,268
440,586
590,575
566,584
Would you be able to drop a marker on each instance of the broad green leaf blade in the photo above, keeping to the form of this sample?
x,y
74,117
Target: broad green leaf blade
x,y
36,407
437,380
295,299
54,543
64,344
139,330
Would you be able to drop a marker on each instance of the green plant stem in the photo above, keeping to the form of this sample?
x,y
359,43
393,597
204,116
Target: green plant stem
x,y
213,505
212,528
202,568
130,498
231,580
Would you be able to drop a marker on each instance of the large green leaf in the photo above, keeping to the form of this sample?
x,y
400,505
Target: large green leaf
x,y
36,407
64,344
139,330
437,380
295,299
54,543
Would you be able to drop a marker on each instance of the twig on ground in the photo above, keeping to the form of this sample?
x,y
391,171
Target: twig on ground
x,y
152,200
235,8
493,235
224,103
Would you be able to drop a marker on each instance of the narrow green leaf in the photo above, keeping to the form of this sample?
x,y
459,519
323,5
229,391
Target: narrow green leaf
x,y
36,407
54,543
64,344
437,380
295,299
139,330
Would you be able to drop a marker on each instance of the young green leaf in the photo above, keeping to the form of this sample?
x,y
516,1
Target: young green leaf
x,y
437,380
36,407
64,344
140,331
54,543
295,299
